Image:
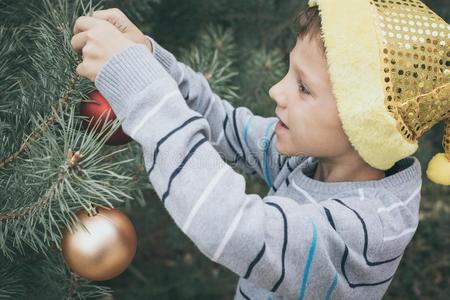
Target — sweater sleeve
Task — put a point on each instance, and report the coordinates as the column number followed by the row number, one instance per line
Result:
column 272, row 241
column 241, row 137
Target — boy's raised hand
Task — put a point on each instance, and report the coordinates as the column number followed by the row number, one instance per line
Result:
column 98, row 41
column 116, row 17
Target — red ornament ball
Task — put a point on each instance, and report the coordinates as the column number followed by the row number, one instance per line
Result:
column 94, row 110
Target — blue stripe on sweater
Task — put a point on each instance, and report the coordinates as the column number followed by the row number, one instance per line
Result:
column 266, row 148
column 312, row 249
column 247, row 125
column 332, row 287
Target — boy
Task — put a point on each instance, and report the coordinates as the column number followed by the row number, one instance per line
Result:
column 339, row 213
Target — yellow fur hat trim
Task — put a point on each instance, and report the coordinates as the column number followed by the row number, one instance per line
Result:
column 389, row 67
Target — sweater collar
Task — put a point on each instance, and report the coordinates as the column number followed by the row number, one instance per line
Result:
column 406, row 170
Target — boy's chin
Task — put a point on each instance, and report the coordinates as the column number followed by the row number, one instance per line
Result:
column 282, row 150
column 289, row 152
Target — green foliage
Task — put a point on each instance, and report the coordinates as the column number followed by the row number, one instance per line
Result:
column 44, row 277
column 39, row 124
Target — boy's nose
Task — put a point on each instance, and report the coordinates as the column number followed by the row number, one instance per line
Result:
column 275, row 92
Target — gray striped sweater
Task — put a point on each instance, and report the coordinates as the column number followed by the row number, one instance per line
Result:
column 305, row 239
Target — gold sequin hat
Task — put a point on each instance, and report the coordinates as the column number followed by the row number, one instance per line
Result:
column 389, row 64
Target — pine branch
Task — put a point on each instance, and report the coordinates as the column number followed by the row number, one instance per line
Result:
column 66, row 186
column 215, row 65
column 261, row 70
column 40, row 130
column 41, row 190
column 38, row 276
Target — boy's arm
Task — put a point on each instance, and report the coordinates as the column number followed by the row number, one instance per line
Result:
column 242, row 138
column 273, row 242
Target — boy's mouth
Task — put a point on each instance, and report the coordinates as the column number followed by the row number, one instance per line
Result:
column 284, row 125
column 281, row 122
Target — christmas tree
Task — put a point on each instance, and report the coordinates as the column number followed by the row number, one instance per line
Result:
column 54, row 164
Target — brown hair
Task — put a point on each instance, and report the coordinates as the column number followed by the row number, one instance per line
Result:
column 309, row 23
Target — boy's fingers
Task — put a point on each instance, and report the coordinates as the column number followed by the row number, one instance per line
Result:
column 81, row 69
column 113, row 16
column 84, row 23
column 105, row 14
column 84, row 70
column 79, row 41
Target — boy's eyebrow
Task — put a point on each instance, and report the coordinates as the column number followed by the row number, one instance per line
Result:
column 304, row 77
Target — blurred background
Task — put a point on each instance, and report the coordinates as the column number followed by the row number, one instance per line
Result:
column 242, row 47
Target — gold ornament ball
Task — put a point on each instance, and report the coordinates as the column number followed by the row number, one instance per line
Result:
column 105, row 249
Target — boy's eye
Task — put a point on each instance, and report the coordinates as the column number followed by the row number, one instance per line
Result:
column 302, row 87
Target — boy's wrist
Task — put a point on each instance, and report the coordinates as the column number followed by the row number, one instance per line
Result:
column 165, row 58
column 149, row 43
column 126, row 74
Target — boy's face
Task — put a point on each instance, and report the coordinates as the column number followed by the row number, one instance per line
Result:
column 306, row 104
